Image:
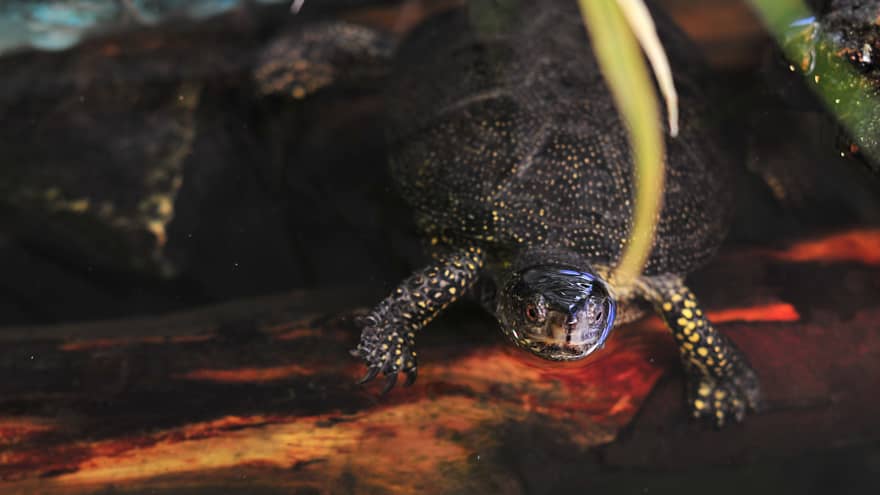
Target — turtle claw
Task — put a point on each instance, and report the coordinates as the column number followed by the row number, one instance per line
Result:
column 371, row 373
column 386, row 351
column 724, row 401
column 390, row 380
column 411, row 376
column 366, row 321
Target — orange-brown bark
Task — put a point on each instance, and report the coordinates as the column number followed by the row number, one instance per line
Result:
column 268, row 398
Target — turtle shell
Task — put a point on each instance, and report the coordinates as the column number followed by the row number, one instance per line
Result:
column 503, row 132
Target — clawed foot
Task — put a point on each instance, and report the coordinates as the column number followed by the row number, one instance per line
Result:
column 724, row 400
column 386, row 350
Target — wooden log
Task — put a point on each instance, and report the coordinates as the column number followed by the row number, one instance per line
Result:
column 260, row 394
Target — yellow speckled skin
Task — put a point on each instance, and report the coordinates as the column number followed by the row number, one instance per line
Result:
column 722, row 385
column 388, row 335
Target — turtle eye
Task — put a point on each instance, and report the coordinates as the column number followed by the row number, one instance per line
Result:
column 532, row 312
column 597, row 317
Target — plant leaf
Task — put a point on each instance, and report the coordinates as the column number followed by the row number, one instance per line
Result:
column 642, row 25
column 624, row 68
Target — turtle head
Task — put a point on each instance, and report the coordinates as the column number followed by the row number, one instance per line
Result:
column 555, row 312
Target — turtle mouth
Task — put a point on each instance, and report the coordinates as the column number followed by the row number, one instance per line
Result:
column 569, row 336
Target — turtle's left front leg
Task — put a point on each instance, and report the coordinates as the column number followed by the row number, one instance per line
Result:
column 388, row 336
column 722, row 385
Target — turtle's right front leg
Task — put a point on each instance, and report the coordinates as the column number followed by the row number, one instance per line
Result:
column 388, row 335
column 722, row 385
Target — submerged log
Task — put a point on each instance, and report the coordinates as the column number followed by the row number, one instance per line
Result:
column 261, row 395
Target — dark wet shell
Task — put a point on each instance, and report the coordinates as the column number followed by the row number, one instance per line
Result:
column 505, row 132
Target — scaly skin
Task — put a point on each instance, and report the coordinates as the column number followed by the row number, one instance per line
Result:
column 722, row 385
column 389, row 331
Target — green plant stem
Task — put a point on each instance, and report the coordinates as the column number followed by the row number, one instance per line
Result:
column 624, row 68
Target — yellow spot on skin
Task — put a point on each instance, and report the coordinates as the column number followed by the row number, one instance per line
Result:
column 384, row 347
column 687, row 313
column 702, row 351
column 704, row 390
column 699, row 312
column 710, row 340
column 676, row 298
column 720, row 394
column 688, row 346
column 682, row 322
column 691, row 326
column 694, row 338
column 699, row 404
column 699, row 323
column 399, row 361
column 719, row 414
column 452, row 290
column 667, row 307
column 396, row 352
column 298, row 92
column 690, row 304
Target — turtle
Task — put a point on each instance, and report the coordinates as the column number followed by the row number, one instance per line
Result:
column 505, row 142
